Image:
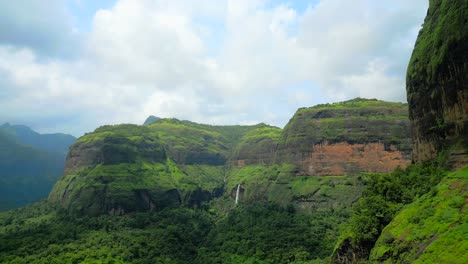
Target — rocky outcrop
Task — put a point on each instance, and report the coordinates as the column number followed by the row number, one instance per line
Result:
column 357, row 125
column 343, row 158
column 437, row 84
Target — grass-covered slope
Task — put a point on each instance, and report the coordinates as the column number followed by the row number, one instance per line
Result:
column 433, row 229
column 437, row 81
column 191, row 143
column 280, row 184
column 257, row 146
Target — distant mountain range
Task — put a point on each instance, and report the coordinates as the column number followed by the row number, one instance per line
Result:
column 30, row 164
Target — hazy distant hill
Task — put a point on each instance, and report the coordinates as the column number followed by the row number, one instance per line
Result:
column 30, row 164
column 57, row 142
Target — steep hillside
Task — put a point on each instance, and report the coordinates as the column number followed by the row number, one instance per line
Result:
column 340, row 138
column 437, row 83
column 433, row 229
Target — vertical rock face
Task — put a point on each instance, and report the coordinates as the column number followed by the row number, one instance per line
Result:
column 437, row 83
column 340, row 138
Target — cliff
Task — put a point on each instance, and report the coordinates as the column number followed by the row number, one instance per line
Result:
column 339, row 138
column 125, row 168
column 433, row 228
column 437, row 84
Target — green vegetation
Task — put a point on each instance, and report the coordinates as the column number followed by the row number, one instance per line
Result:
column 436, row 82
column 444, row 35
column 355, row 104
column 266, row 233
column 136, row 186
column 257, row 146
column 279, row 184
column 256, row 233
column 433, row 229
column 38, row 234
column 384, row 196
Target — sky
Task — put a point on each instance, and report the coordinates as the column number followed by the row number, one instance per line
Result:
column 74, row 65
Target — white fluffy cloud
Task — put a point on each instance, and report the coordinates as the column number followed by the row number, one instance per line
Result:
column 211, row 61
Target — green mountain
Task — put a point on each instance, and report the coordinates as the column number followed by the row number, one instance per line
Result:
column 376, row 130
column 419, row 215
column 30, row 164
column 168, row 163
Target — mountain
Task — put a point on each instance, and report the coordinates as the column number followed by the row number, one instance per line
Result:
column 125, row 168
column 57, row 142
column 336, row 185
column 30, row 163
column 151, row 119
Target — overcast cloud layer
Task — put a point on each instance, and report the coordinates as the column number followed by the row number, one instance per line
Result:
column 217, row 62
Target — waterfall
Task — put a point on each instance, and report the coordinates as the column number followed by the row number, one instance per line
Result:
column 237, row 193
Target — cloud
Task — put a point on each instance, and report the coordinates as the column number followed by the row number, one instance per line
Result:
column 219, row 62
column 43, row 27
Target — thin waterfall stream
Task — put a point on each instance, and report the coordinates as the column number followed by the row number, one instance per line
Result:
column 237, row 193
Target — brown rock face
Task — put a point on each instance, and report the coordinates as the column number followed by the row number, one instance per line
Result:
column 343, row 158
column 437, row 84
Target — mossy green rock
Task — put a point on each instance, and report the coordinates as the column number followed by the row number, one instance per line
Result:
column 437, row 83
column 281, row 185
column 357, row 121
column 125, row 168
column 257, row 146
